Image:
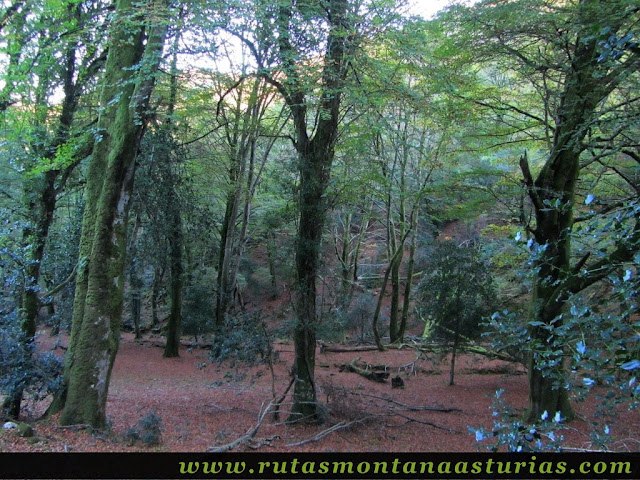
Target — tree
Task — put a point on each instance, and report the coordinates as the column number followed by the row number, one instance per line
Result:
column 243, row 122
column 316, row 154
column 456, row 295
column 577, row 59
column 55, row 144
column 126, row 89
column 310, row 73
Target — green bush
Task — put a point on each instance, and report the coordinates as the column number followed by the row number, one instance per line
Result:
column 244, row 338
column 148, row 430
column 22, row 368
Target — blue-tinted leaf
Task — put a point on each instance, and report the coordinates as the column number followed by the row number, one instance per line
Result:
column 632, row 365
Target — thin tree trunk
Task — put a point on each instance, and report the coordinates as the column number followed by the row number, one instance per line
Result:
column 408, row 286
column 176, row 234
column 453, row 358
column 158, row 273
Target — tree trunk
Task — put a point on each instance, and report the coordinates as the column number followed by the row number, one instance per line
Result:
column 313, row 183
column 316, row 155
column 553, row 197
column 453, row 362
column 408, row 286
column 158, row 273
column 271, row 254
column 40, row 197
column 174, row 325
column 394, row 311
column 226, row 281
column 135, row 281
column 95, row 331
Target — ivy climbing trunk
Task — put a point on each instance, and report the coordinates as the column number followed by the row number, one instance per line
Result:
column 127, row 85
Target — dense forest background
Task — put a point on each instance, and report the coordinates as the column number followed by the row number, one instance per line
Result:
column 321, row 171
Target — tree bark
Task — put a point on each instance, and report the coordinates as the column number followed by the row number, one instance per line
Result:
column 95, row 331
column 553, row 197
column 315, row 156
column 174, row 325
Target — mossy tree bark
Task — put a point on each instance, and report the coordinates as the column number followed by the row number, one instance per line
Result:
column 582, row 81
column 40, row 190
column 127, row 85
column 315, row 157
column 588, row 82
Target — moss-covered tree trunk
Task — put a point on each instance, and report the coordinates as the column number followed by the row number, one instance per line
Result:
column 553, row 196
column 313, row 182
column 315, row 157
column 40, row 191
column 98, row 300
column 226, row 280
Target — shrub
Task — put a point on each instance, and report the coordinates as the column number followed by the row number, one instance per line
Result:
column 22, row 368
column 359, row 315
column 148, row 430
column 244, row 338
column 456, row 294
column 198, row 310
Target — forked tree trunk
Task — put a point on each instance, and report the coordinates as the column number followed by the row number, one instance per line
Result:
column 316, row 155
column 97, row 312
column 553, row 197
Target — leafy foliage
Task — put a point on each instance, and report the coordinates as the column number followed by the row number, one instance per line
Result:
column 22, row 367
column 148, row 430
column 457, row 292
column 244, row 339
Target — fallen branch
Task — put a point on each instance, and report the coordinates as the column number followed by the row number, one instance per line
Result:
column 412, row 408
column 74, row 428
column 342, row 349
column 423, row 422
column 255, row 444
column 375, row 374
column 247, row 436
column 338, row 426
column 276, row 407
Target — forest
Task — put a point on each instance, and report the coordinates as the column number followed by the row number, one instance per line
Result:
column 319, row 219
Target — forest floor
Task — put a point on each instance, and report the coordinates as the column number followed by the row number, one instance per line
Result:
column 202, row 405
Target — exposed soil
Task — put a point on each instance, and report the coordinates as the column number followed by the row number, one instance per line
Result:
column 203, row 405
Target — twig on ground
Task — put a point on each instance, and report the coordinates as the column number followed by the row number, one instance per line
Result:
column 414, row 408
column 247, row 436
column 338, row 426
column 423, row 422
column 74, row 428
